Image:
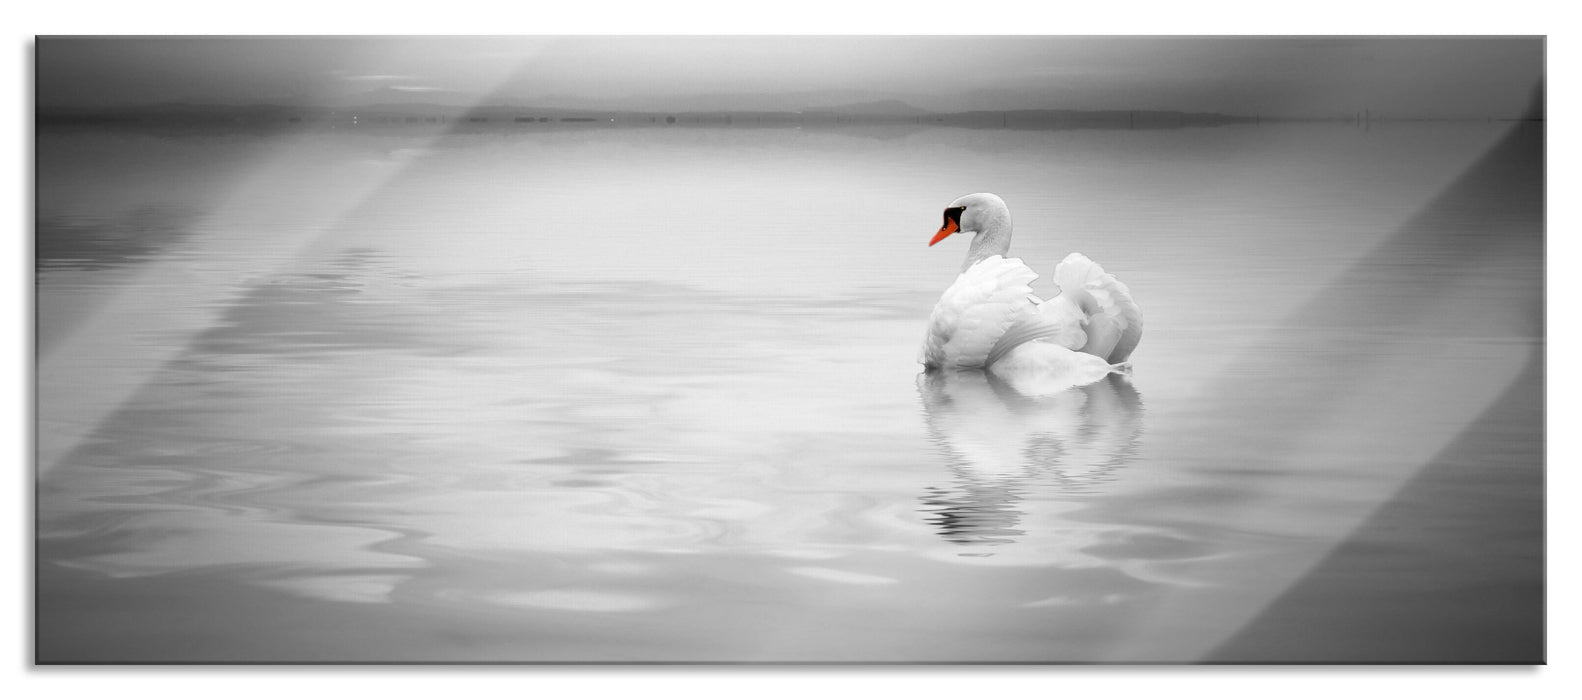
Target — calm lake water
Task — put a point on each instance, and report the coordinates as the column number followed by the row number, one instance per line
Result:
column 652, row 395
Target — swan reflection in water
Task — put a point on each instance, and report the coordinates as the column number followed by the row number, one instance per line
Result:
column 1002, row 445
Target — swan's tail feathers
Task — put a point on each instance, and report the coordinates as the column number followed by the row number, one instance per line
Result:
column 1114, row 321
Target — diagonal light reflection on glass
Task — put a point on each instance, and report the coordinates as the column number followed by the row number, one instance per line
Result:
column 86, row 388
column 1447, row 348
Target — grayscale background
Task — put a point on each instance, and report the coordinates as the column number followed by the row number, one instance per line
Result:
column 604, row 349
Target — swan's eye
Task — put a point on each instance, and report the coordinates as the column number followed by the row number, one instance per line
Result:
column 954, row 214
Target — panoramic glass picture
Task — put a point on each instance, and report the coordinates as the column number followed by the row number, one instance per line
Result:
column 780, row 349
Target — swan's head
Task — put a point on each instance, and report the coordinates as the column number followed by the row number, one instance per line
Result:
column 971, row 213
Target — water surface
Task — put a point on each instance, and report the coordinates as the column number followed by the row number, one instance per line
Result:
column 651, row 395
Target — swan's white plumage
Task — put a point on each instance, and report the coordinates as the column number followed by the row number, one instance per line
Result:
column 1109, row 318
column 990, row 319
column 986, row 302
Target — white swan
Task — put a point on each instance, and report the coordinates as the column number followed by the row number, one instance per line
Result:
column 990, row 319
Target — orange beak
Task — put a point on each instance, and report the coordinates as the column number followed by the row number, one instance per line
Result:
column 949, row 228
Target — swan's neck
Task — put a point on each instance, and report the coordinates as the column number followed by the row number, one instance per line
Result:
column 994, row 238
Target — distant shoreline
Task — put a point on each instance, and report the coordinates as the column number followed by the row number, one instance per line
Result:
column 507, row 117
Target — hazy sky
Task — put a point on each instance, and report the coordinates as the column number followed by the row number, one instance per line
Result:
column 1269, row 76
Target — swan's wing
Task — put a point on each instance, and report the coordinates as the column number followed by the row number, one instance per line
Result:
column 989, row 305
column 1101, row 306
column 1024, row 330
column 1068, row 320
